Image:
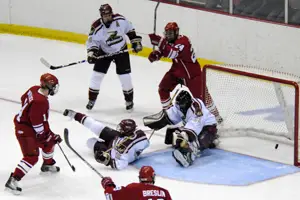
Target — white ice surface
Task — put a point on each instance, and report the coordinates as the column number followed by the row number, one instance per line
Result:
column 20, row 68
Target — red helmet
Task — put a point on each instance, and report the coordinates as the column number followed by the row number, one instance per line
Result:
column 106, row 13
column 171, row 31
column 127, row 127
column 50, row 82
column 147, row 175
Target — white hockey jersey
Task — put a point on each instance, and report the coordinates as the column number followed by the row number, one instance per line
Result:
column 196, row 117
column 111, row 39
column 125, row 150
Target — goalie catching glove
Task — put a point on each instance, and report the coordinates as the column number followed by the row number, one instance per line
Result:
column 157, row 121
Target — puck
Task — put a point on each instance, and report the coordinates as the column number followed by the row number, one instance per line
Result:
column 276, row 146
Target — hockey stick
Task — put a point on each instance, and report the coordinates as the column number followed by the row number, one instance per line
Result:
column 72, row 166
column 155, row 16
column 151, row 134
column 66, row 136
column 52, row 67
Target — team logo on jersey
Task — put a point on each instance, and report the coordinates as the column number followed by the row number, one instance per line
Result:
column 113, row 38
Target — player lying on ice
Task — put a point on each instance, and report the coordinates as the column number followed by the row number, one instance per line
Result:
column 115, row 148
column 199, row 130
column 144, row 190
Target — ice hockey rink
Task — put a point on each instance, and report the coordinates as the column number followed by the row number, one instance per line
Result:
column 21, row 68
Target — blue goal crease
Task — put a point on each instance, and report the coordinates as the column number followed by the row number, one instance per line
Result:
column 216, row 166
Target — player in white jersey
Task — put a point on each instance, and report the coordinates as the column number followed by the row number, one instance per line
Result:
column 108, row 35
column 115, row 148
column 199, row 130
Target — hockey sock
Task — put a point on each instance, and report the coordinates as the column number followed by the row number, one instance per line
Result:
column 24, row 166
column 47, row 154
column 93, row 94
column 128, row 95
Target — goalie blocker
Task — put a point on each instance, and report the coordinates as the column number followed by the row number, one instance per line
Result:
column 199, row 131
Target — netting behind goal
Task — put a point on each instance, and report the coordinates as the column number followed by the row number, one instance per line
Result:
column 255, row 102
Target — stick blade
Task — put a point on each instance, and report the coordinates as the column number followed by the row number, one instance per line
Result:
column 45, row 62
column 66, row 136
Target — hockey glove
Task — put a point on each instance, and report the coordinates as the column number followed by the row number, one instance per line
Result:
column 155, row 39
column 48, row 139
column 136, row 44
column 154, row 56
column 92, row 56
column 107, row 182
column 158, row 41
column 102, row 157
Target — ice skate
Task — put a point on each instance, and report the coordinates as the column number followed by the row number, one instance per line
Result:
column 50, row 168
column 90, row 105
column 183, row 157
column 12, row 185
column 129, row 106
column 69, row 113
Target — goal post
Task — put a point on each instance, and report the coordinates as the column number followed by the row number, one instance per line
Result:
column 255, row 102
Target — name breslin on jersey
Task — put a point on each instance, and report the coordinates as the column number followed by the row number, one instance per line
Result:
column 156, row 193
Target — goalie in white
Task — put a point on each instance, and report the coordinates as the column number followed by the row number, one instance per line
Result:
column 199, row 130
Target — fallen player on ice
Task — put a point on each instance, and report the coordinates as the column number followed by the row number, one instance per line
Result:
column 115, row 148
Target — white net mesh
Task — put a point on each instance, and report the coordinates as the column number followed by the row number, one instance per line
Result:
column 252, row 106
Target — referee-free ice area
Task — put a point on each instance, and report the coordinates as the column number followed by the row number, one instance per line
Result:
column 218, row 174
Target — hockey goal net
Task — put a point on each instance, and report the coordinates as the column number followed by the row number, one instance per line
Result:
column 256, row 103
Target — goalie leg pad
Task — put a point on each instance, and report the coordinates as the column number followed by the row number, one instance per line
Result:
column 157, row 121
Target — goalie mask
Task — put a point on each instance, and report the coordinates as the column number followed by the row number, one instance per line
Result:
column 50, row 82
column 183, row 101
column 126, row 127
column 171, row 32
column 106, row 14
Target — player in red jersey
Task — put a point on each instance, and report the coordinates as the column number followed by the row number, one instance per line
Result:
column 33, row 132
column 185, row 69
column 144, row 190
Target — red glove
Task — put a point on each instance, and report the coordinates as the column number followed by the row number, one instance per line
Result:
column 107, row 182
column 49, row 139
column 154, row 56
column 154, row 39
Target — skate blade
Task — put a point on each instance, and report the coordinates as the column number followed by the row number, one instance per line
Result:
column 14, row 192
column 129, row 110
column 48, row 173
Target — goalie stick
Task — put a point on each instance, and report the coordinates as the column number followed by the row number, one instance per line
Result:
column 66, row 137
column 52, row 67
